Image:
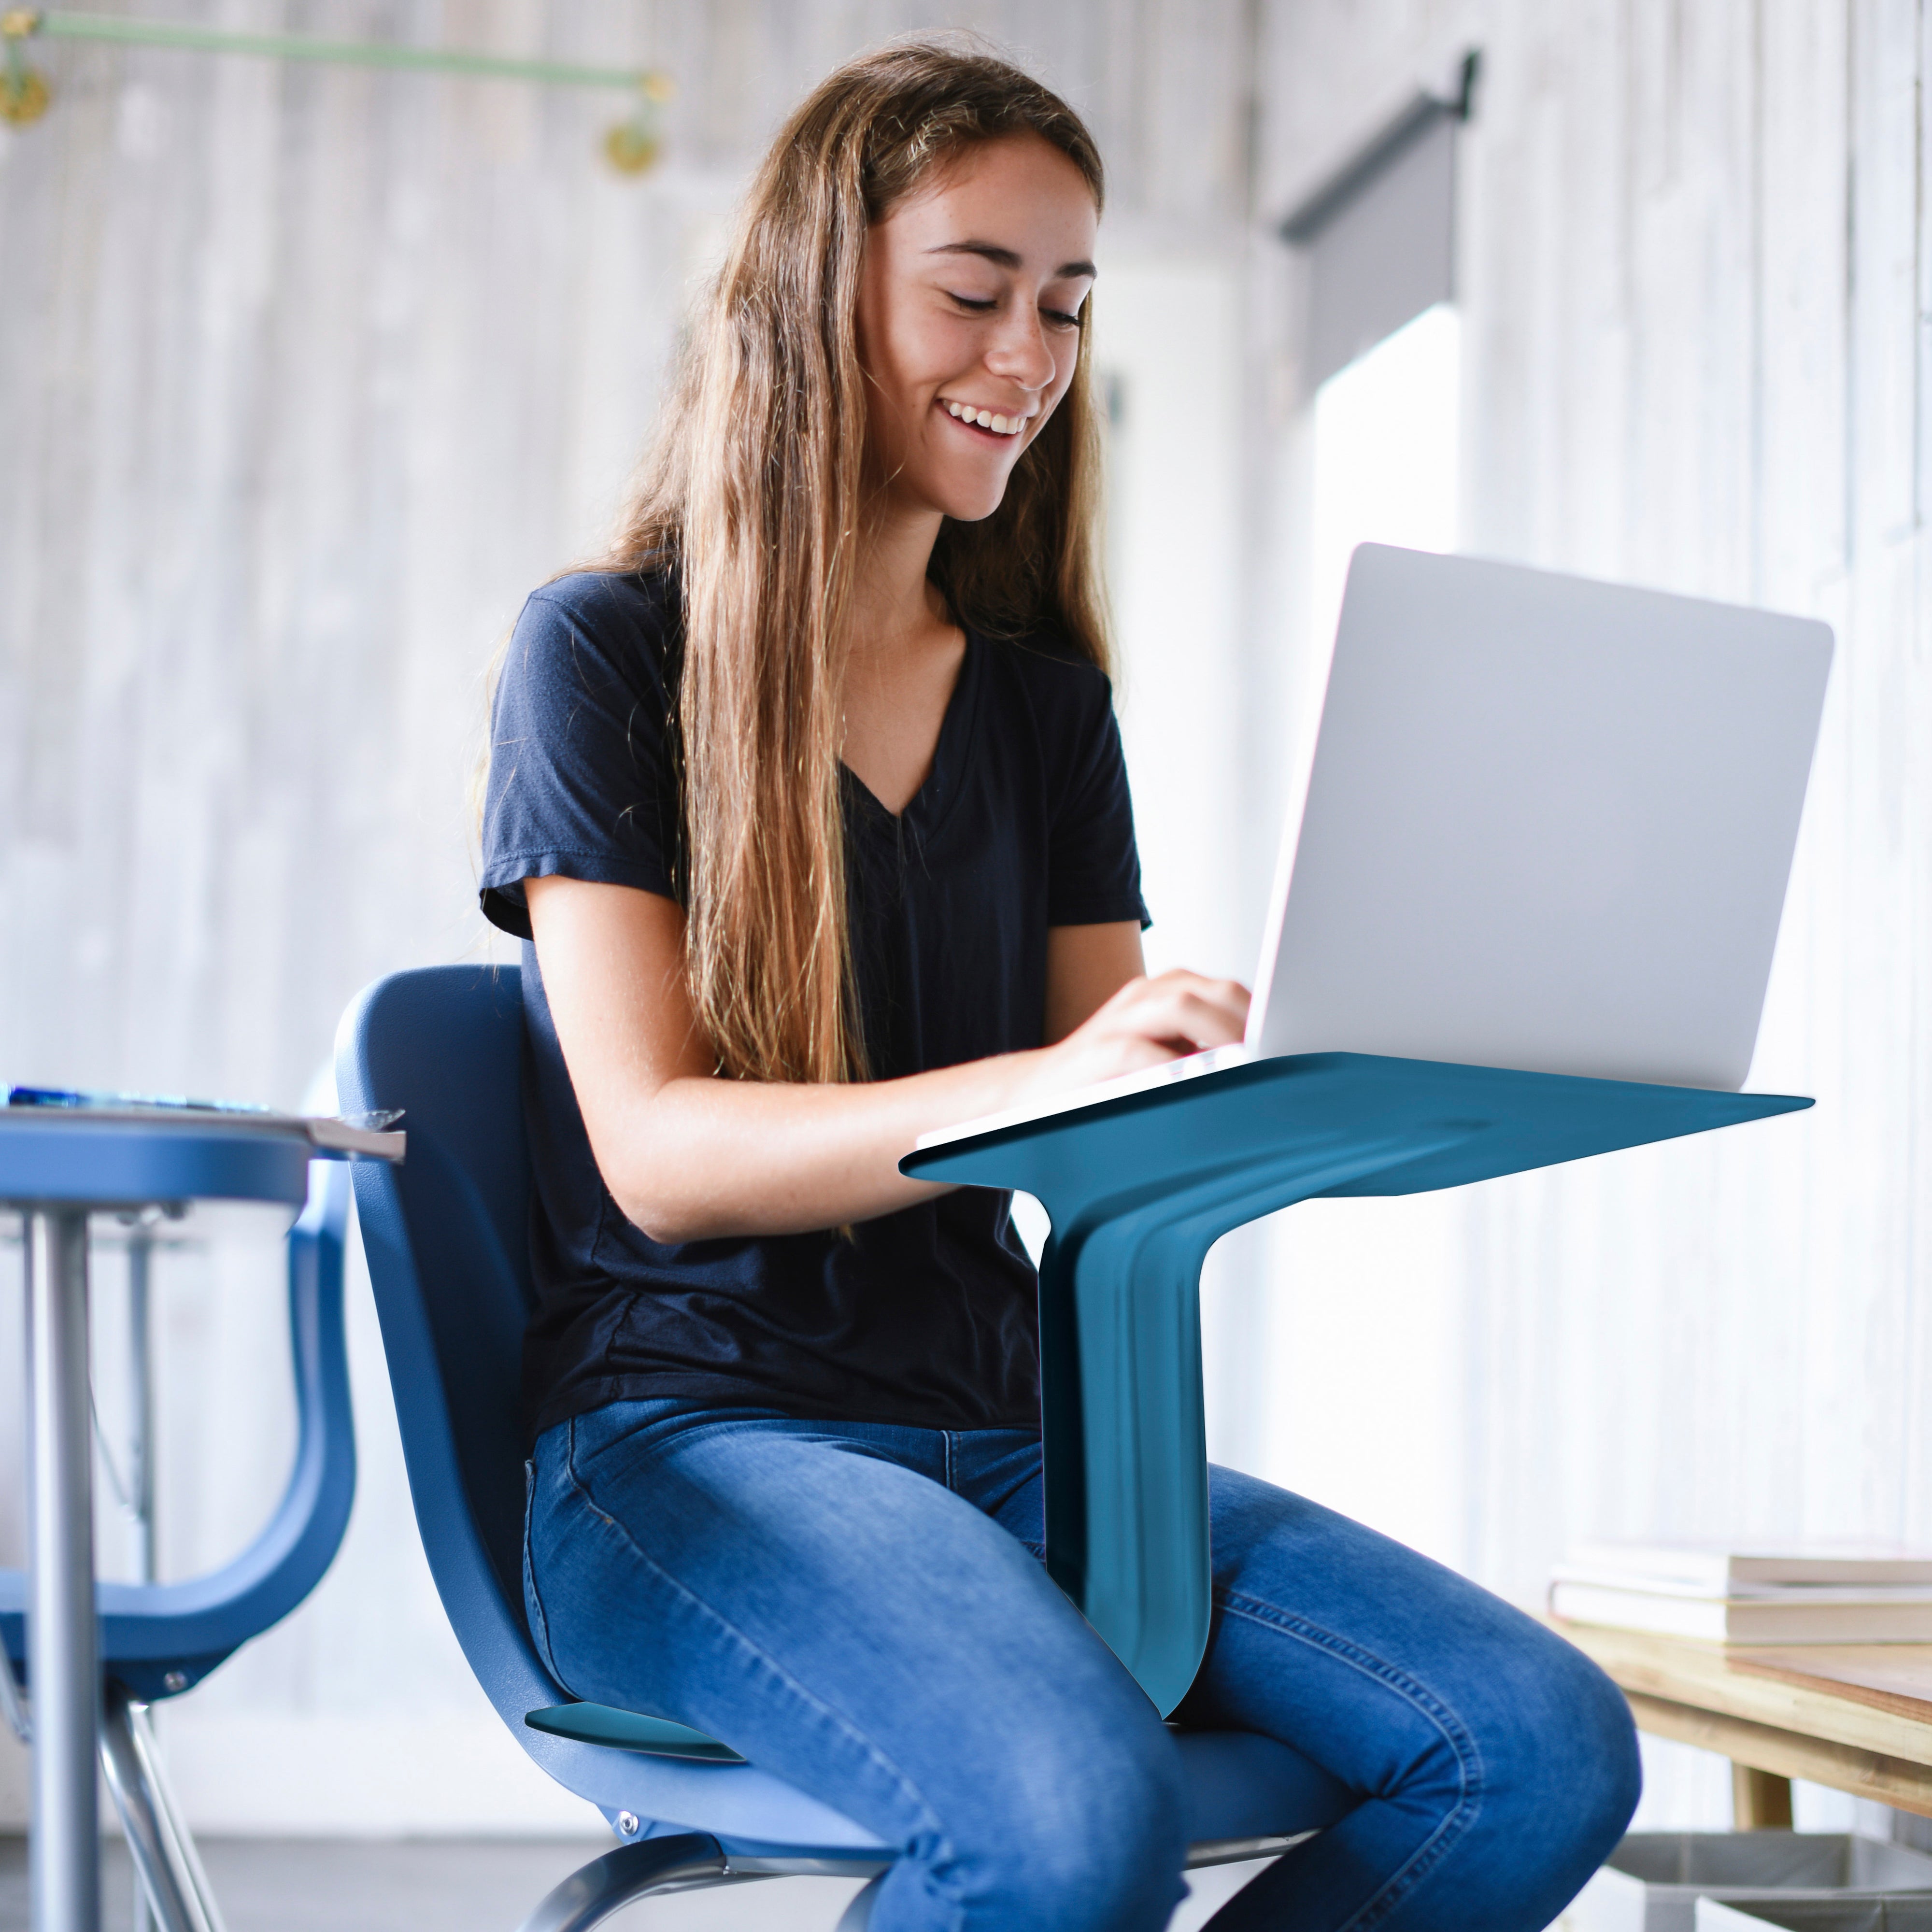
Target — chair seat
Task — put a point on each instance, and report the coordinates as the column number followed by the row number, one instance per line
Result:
column 629, row 1730
column 1240, row 1785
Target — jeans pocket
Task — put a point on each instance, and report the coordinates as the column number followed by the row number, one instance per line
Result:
column 533, row 1608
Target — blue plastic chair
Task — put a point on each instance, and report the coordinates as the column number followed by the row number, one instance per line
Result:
column 446, row 1235
column 157, row 1640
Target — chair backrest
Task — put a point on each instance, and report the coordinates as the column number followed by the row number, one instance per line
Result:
column 446, row 1236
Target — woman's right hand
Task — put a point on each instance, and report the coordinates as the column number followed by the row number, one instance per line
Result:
column 1147, row 1022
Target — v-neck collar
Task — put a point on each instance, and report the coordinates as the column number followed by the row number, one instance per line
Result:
column 928, row 807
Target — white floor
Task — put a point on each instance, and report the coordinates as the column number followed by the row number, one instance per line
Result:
column 311, row 1885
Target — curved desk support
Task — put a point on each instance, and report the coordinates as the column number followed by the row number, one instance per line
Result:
column 1139, row 1188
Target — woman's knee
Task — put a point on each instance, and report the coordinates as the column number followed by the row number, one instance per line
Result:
column 1086, row 1831
column 1576, row 1773
column 1607, row 1736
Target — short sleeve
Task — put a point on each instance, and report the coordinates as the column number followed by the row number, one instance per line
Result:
column 583, row 779
column 1094, row 866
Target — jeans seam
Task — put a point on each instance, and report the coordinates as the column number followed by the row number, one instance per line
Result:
column 943, row 1845
column 1455, row 1733
column 540, row 1620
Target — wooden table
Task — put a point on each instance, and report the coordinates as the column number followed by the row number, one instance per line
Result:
column 1855, row 1717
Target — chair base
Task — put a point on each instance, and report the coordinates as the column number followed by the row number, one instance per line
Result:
column 686, row 1861
column 693, row 1861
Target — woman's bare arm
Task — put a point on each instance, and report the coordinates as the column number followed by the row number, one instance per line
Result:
column 689, row 1157
column 1086, row 966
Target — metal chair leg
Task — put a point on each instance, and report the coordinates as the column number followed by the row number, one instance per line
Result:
column 140, row 1497
column 858, row 1914
column 166, row 1865
column 690, row 1861
column 687, row 1861
column 693, row 1862
column 142, row 1724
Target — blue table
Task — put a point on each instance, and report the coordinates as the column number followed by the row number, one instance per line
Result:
column 57, row 1167
column 1139, row 1188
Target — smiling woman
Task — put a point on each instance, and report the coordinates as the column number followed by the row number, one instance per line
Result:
column 809, row 806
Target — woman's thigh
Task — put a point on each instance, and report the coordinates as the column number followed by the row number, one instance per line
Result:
column 1497, row 1765
column 853, row 1625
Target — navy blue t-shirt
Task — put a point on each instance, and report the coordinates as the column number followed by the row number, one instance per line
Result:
column 927, row 1316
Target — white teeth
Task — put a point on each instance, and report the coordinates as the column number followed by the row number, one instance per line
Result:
column 985, row 418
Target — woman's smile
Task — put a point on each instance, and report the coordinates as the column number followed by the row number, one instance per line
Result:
column 987, row 422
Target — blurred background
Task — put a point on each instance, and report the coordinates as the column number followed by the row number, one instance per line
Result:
column 309, row 374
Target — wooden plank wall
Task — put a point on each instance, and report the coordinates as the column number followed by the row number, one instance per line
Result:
column 1694, row 272
column 307, row 376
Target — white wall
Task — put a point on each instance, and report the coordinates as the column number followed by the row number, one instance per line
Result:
column 310, row 375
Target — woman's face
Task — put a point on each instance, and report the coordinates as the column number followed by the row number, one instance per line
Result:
column 968, row 321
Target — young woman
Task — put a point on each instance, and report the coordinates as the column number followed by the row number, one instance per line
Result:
column 811, row 804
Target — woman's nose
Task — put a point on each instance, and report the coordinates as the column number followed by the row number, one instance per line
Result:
column 1021, row 352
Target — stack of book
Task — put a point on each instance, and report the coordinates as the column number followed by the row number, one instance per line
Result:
column 1782, row 1594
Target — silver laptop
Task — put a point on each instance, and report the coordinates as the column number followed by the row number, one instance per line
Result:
column 1549, row 826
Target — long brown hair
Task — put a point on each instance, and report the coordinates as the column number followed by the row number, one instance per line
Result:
column 754, row 494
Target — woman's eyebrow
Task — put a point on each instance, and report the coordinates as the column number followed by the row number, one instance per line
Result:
column 1005, row 258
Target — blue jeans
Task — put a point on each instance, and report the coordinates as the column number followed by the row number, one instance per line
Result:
column 861, row 1609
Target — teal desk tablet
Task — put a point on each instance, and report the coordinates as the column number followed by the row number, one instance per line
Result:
column 1140, row 1187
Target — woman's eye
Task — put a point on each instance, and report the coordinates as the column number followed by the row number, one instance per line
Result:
column 1059, row 319
column 977, row 306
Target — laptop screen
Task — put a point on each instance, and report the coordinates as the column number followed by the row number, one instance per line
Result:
column 1549, row 825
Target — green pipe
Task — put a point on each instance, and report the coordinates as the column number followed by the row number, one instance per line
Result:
column 357, row 53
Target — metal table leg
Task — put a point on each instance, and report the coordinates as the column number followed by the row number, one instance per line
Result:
column 63, row 1670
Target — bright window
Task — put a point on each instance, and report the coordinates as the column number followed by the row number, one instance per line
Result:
column 1386, row 454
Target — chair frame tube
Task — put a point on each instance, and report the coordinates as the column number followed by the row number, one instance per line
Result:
column 695, row 1860
column 170, row 1878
